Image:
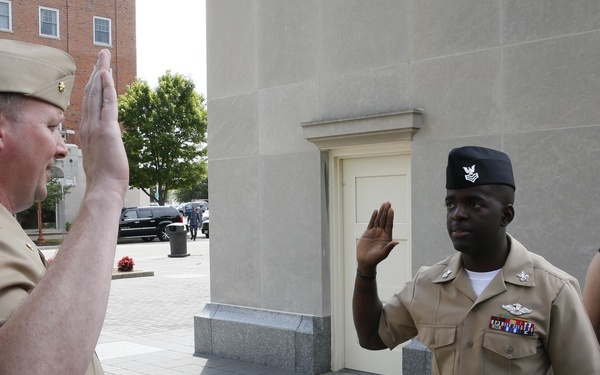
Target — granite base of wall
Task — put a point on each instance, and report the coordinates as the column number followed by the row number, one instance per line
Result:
column 288, row 341
column 416, row 359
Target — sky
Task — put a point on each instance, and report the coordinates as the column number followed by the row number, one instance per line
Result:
column 171, row 36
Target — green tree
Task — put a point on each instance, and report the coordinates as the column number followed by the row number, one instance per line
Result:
column 164, row 133
column 55, row 193
column 196, row 191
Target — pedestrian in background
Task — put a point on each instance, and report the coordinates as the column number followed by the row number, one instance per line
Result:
column 194, row 220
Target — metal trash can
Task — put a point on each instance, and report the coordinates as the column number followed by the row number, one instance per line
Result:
column 177, row 239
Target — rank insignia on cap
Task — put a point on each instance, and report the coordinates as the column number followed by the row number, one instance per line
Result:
column 61, row 86
column 470, row 173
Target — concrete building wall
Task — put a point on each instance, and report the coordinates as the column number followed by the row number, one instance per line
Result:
column 523, row 79
column 519, row 76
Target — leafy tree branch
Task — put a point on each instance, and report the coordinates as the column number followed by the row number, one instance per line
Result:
column 164, row 134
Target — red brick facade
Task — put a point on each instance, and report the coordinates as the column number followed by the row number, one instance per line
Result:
column 76, row 36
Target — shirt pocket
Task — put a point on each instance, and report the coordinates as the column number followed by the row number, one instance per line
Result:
column 504, row 350
column 440, row 340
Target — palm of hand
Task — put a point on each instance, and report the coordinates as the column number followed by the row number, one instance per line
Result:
column 372, row 245
column 376, row 242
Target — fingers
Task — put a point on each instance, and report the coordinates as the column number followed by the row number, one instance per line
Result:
column 95, row 93
column 387, row 249
column 92, row 99
column 100, row 133
column 382, row 216
column 372, row 221
column 389, row 222
column 109, row 97
column 376, row 242
column 86, row 93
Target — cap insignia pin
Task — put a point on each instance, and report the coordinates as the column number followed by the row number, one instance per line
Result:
column 61, row 86
column 523, row 276
column 471, row 175
column 29, row 246
column 446, row 274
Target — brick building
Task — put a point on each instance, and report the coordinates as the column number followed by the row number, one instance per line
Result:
column 81, row 28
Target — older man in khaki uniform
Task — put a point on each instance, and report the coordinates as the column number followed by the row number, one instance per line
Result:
column 51, row 317
column 492, row 308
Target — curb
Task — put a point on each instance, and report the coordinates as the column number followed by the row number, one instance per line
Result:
column 128, row 275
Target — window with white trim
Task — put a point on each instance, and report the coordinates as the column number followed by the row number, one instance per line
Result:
column 102, row 31
column 49, row 22
column 5, row 16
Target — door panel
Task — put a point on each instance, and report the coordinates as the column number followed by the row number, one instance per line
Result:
column 146, row 224
column 367, row 182
column 129, row 225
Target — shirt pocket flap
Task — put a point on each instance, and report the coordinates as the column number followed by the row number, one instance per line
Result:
column 436, row 336
column 510, row 345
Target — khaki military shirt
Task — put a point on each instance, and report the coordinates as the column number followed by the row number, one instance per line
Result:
column 22, row 266
column 528, row 318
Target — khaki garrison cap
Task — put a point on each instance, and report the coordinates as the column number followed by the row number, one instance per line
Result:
column 40, row 72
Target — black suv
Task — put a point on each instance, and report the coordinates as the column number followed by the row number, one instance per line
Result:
column 148, row 222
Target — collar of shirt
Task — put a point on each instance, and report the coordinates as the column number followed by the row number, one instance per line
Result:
column 519, row 261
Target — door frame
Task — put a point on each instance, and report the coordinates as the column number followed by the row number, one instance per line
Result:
column 336, row 159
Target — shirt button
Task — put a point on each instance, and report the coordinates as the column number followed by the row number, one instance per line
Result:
column 509, row 350
column 432, row 341
column 470, row 344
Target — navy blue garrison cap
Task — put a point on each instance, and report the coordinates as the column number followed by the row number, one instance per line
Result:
column 474, row 166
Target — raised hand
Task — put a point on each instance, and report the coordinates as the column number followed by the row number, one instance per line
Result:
column 376, row 242
column 104, row 157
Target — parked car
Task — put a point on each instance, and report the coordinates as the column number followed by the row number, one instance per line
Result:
column 148, row 222
column 205, row 227
column 186, row 208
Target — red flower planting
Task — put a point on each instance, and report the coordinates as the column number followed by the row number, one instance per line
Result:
column 125, row 264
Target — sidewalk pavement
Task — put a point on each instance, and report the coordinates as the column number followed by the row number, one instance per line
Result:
column 149, row 325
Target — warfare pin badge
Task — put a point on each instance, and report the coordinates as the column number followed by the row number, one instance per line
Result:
column 516, row 309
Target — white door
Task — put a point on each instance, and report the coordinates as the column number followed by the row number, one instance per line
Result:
column 368, row 182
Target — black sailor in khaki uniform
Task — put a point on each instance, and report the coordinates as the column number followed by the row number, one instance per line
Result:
column 493, row 307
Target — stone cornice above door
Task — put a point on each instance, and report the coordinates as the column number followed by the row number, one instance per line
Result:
column 365, row 130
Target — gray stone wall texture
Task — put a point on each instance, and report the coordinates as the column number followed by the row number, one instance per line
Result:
column 287, row 341
column 416, row 359
column 520, row 76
